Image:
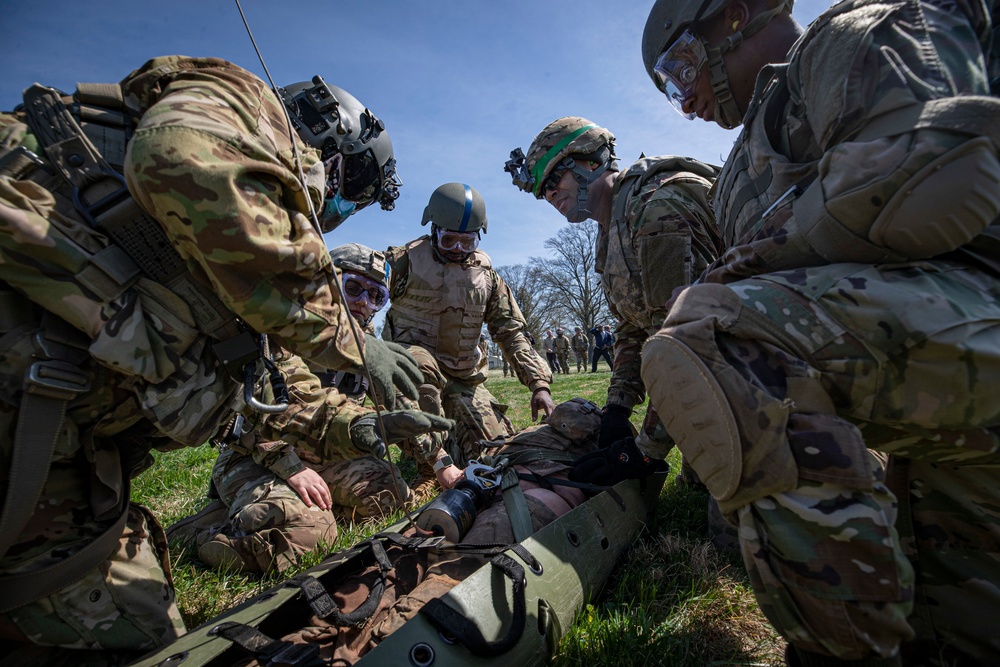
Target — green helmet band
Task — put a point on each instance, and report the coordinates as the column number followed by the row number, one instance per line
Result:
column 539, row 169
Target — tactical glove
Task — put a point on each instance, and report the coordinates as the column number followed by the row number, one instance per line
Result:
column 392, row 369
column 615, row 425
column 620, row 461
column 366, row 435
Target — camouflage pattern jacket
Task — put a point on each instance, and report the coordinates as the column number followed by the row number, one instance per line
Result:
column 662, row 234
column 442, row 307
column 210, row 159
column 854, row 171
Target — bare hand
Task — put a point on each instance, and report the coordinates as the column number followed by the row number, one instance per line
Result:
column 541, row 400
column 312, row 489
column 449, row 476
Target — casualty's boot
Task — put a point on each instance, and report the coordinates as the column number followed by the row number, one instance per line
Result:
column 197, row 529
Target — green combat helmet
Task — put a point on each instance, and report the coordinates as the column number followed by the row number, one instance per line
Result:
column 672, row 26
column 566, row 143
column 361, row 260
column 458, row 207
column 348, row 135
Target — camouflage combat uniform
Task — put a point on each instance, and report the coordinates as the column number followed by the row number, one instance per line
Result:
column 856, row 308
column 438, row 310
column 266, row 522
column 580, row 347
column 209, row 158
column 562, row 346
column 661, row 236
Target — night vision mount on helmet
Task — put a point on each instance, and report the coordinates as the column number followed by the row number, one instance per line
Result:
column 332, row 120
column 567, row 143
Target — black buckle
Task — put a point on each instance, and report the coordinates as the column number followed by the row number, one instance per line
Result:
column 56, row 379
column 105, row 203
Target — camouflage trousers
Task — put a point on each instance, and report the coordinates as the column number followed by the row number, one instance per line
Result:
column 478, row 415
column 799, row 373
column 270, row 525
column 581, row 360
column 110, row 616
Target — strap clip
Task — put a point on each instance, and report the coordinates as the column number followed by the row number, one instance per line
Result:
column 56, row 379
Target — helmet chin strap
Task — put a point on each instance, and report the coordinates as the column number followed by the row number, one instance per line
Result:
column 584, row 177
column 727, row 114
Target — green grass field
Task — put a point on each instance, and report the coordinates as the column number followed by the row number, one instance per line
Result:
column 674, row 600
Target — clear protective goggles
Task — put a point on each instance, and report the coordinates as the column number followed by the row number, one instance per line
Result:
column 451, row 241
column 677, row 70
column 358, row 287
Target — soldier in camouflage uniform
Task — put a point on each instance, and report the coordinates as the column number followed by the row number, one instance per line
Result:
column 443, row 290
column 283, row 485
column 656, row 233
column 855, row 309
column 580, row 346
column 130, row 316
column 562, row 346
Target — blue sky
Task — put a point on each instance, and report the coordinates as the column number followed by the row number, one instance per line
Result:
column 459, row 83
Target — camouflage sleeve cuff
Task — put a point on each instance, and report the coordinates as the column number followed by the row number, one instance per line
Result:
column 538, row 385
column 287, row 465
column 338, row 435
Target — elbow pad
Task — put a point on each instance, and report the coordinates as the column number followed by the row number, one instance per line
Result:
column 944, row 205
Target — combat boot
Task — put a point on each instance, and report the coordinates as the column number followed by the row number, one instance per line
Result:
column 220, row 553
column 425, row 485
column 197, row 529
column 723, row 535
column 265, row 551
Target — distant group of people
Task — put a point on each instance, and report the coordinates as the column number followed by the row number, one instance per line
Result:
column 814, row 322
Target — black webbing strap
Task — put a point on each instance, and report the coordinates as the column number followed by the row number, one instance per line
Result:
column 324, row 607
column 452, row 622
column 268, row 651
column 24, row 587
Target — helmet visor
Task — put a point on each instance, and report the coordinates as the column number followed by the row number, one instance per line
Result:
column 451, row 241
column 358, row 287
column 677, row 70
column 362, row 178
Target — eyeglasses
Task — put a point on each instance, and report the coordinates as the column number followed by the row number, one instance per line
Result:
column 357, row 287
column 677, row 70
column 450, row 240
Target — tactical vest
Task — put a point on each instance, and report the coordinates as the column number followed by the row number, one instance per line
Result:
column 127, row 273
column 442, row 306
column 114, row 290
column 618, row 259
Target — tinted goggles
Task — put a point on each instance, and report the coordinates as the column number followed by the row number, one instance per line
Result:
column 677, row 70
column 358, row 287
column 551, row 183
column 464, row 241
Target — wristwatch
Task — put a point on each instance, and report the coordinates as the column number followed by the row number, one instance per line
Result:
column 443, row 462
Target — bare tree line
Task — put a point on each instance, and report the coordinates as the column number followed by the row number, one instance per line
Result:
column 561, row 289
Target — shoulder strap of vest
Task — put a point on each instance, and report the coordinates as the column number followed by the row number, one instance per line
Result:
column 646, row 168
column 101, row 197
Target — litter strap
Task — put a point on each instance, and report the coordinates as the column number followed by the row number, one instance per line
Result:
column 452, row 622
column 267, row 650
